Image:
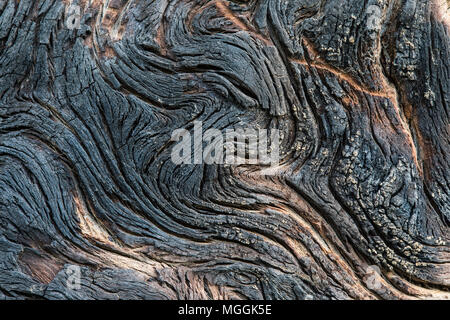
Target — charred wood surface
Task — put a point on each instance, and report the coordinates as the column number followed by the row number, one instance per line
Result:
column 359, row 90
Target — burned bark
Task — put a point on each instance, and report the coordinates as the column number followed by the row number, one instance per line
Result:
column 357, row 208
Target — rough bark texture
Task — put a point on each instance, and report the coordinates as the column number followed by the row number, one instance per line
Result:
column 86, row 179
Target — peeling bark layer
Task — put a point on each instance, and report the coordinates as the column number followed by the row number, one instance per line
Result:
column 359, row 89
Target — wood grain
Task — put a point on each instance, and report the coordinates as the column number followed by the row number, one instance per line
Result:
column 360, row 91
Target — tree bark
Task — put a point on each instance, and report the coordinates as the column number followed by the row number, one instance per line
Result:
column 357, row 208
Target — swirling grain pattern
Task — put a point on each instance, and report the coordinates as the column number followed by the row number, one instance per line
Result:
column 359, row 90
